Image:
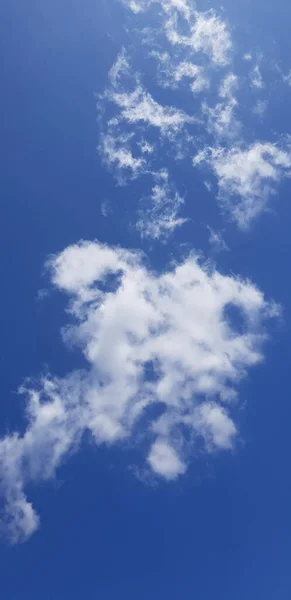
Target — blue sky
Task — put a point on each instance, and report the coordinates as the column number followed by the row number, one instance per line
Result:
column 145, row 413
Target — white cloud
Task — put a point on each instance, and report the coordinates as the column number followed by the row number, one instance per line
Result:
column 216, row 241
column 140, row 107
column 117, row 147
column 211, row 35
column 164, row 339
column 193, row 72
column 129, row 153
column 164, row 460
column 199, row 80
column 218, row 429
column 158, row 220
column 247, row 178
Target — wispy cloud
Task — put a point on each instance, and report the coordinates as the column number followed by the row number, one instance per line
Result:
column 247, row 178
column 209, row 35
column 158, row 219
column 200, row 48
column 105, row 208
column 115, row 151
column 164, row 339
column 216, row 241
column 140, row 107
column 171, row 73
column 120, row 69
column 260, row 108
column 256, row 77
column 221, row 120
column 208, row 32
column 182, row 6
column 286, row 78
column 146, row 147
column 138, row 6
column 127, row 139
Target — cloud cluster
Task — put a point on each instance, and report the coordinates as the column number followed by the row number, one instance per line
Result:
column 173, row 341
column 206, row 32
column 193, row 50
column 165, row 351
